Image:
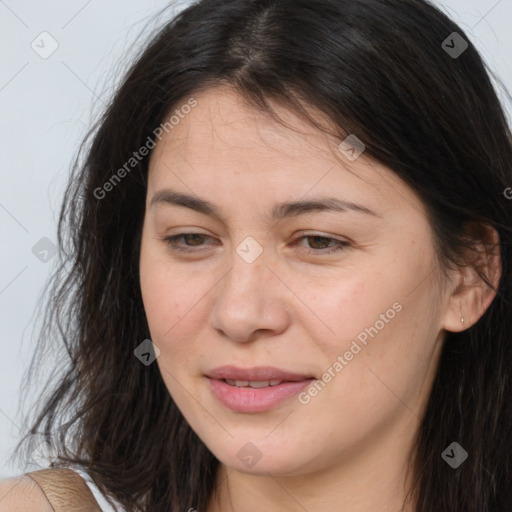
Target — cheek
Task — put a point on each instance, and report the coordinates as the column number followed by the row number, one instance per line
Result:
column 384, row 365
column 166, row 310
column 174, row 304
column 346, row 309
column 374, row 321
column 164, row 290
column 161, row 307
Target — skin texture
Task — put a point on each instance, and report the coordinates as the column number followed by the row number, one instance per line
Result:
column 22, row 493
column 347, row 448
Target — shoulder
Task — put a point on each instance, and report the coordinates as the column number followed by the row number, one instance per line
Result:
column 21, row 493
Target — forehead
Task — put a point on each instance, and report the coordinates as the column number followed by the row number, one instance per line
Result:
column 223, row 122
column 223, row 140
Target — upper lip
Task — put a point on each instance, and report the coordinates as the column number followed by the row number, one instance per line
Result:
column 258, row 373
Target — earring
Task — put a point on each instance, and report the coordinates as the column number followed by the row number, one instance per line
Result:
column 461, row 317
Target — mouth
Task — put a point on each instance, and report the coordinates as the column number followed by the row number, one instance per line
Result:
column 254, row 390
column 255, row 375
column 256, row 384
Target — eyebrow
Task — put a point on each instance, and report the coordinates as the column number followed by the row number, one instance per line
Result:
column 278, row 211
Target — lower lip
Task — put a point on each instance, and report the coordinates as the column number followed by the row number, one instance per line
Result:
column 255, row 399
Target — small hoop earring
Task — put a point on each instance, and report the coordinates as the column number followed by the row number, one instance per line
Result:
column 461, row 317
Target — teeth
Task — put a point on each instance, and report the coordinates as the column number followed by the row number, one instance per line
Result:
column 259, row 384
column 253, row 383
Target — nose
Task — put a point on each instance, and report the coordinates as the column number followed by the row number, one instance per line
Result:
column 250, row 299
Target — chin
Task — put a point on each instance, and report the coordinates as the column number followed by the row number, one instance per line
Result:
column 261, row 457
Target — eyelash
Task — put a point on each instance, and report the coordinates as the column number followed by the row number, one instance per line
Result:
column 171, row 242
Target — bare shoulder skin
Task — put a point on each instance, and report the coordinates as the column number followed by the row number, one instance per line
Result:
column 21, row 493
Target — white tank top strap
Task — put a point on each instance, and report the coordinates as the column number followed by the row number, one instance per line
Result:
column 102, row 502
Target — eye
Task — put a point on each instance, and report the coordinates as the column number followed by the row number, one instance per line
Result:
column 197, row 238
column 322, row 240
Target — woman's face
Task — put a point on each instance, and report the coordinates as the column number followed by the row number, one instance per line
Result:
column 345, row 300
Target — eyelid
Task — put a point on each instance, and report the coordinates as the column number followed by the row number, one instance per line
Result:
column 341, row 244
column 320, row 234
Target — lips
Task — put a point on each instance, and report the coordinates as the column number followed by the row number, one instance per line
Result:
column 256, row 374
column 255, row 390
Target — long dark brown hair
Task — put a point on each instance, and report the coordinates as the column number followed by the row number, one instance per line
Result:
column 379, row 69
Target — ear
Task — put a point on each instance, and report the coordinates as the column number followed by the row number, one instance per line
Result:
column 472, row 295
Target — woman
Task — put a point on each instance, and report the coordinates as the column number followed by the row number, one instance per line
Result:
column 289, row 284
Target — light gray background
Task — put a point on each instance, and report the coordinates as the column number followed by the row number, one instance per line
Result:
column 46, row 107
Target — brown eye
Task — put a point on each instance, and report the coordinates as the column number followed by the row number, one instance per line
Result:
column 320, row 243
column 195, row 238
